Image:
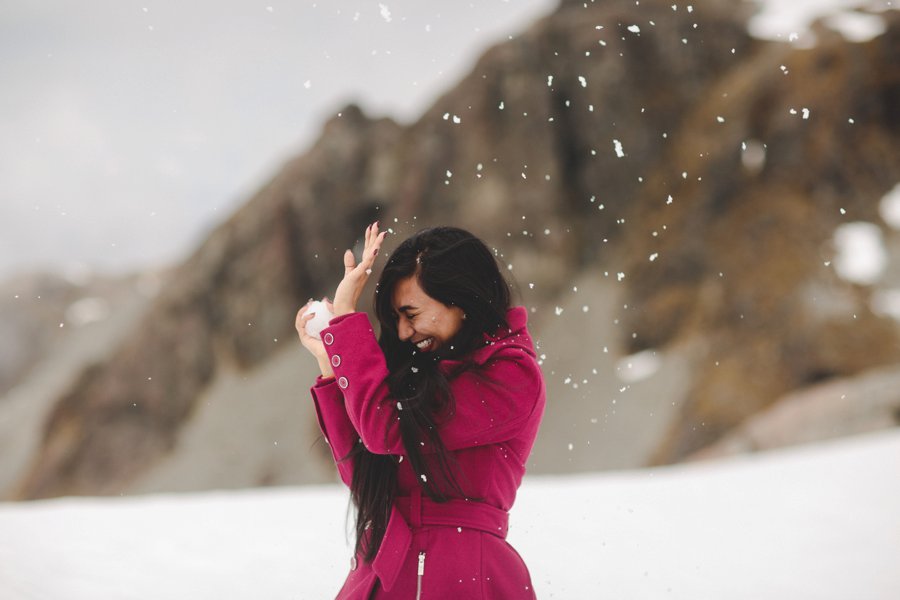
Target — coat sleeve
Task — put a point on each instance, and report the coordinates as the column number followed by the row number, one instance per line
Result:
column 334, row 424
column 492, row 405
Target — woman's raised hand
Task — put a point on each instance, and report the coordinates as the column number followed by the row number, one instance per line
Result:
column 355, row 275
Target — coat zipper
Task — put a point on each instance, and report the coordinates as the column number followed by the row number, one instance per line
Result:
column 421, row 572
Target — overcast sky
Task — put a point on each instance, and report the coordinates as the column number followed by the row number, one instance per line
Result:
column 130, row 128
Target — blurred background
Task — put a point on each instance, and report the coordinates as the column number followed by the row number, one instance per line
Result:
column 698, row 203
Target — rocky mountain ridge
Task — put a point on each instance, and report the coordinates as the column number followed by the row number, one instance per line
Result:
column 562, row 148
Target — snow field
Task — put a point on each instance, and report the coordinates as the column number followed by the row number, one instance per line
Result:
column 817, row 522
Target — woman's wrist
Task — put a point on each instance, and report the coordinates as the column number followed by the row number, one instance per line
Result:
column 325, row 367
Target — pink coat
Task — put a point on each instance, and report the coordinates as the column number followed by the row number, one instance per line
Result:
column 439, row 550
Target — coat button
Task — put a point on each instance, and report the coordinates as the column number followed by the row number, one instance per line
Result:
column 343, row 383
column 328, row 339
column 352, row 563
column 335, row 361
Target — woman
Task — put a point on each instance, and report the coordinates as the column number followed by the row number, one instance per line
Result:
column 431, row 424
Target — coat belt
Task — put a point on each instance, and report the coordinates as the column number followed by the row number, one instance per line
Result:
column 412, row 512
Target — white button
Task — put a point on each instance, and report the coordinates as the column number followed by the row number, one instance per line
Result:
column 353, row 563
column 343, row 383
column 335, row 361
column 328, row 339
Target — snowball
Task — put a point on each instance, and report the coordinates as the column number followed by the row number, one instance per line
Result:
column 320, row 321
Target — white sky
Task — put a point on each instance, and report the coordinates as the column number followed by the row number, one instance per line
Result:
column 129, row 128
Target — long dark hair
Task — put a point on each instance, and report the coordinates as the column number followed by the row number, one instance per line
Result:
column 455, row 268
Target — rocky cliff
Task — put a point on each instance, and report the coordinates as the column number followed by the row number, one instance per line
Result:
column 696, row 173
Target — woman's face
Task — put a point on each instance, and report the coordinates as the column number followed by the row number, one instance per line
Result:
column 421, row 319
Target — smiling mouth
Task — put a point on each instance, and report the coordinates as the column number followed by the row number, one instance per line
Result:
column 426, row 343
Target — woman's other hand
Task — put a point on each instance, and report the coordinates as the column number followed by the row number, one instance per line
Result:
column 315, row 346
column 355, row 276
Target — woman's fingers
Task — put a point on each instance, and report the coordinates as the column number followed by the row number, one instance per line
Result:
column 309, row 342
column 300, row 314
column 373, row 241
column 300, row 322
column 372, row 250
column 349, row 261
column 355, row 275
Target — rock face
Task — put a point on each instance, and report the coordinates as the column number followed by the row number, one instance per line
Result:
column 71, row 325
column 744, row 249
column 561, row 149
column 39, row 310
column 835, row 409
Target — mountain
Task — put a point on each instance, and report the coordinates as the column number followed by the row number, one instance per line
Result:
column 53, row 328
column 663, row 189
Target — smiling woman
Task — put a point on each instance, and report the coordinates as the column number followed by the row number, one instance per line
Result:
column 431, row 424
column 421, row 319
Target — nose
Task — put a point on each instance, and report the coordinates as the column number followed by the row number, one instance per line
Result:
column 404, row 330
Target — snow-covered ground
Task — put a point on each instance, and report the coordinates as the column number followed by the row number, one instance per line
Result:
column 813, row 522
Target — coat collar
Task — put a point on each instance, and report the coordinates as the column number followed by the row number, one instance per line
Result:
column 517, row 317
column 516, row 335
